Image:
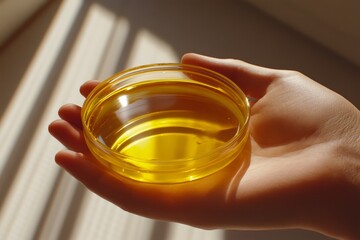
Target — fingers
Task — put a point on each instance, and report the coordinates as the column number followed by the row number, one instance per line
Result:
column 68, row 135
column 92, row 175
column 88, row 86
column 68, row 130
column 81, row 166
column 181, row 202
column 72, row 114
column 161, row 201
column 100, row 181
column 252, row 79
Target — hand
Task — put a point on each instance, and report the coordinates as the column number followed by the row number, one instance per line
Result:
column 301, row 168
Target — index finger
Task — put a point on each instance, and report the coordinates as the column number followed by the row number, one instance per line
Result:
column 252, row 79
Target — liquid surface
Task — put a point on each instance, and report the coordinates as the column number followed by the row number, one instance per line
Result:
column 167, row 126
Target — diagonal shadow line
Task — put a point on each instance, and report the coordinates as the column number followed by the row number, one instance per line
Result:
column 127, row 48
column 67, row 227
column 161, row 231
column 48, row 205
column 11, row 83
column 15, row 158
column 72, row 213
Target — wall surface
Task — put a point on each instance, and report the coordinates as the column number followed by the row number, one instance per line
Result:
column 334, row 24
column 14, row 13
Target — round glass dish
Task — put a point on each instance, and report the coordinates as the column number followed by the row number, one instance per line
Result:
column 166, row 123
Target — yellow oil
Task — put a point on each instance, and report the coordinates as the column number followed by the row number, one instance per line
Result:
column 160, row 130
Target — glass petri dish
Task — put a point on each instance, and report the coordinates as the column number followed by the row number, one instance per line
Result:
column 166, row 123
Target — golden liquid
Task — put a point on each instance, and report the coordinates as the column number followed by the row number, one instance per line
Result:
column 165, row 130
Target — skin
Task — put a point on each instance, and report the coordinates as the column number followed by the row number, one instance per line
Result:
column 300, row 169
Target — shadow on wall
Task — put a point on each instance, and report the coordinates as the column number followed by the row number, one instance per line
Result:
column 21, row 62
column 231, row 30
column 235, row 29
column 17, row 61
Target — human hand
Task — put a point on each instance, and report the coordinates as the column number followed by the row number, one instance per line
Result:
column 299, row 170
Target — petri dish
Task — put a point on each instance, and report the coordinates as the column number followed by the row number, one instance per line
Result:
column 166, row 123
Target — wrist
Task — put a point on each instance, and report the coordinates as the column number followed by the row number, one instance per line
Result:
column 347, row 196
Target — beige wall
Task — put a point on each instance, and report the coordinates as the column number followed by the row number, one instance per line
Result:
column 334, row 24
column 13, row 13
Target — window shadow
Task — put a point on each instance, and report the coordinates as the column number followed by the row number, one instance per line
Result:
column 22, row 56
column 15, row 157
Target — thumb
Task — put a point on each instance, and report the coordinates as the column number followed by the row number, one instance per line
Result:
column 252, row 79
